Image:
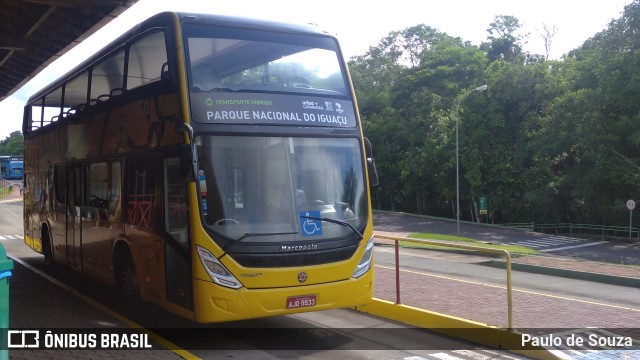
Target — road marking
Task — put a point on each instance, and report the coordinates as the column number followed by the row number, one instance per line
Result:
column 11, row 237
column 475, row 355
column 574, row 246
column 130, row 323
column 495, row 353
column 584, row 351
column 444, row 356
column 547, row 241
column 536, row 243
column 466, row 355
column 504, row 287
column 563, row 237
column 551, row 240
column 557, row 240
column 561, row 241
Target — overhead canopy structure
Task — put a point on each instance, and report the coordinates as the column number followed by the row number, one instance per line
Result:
column 34, row 33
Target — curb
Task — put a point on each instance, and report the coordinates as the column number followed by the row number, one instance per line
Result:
column 571, row 274
column 7, row 201
column 460, row 328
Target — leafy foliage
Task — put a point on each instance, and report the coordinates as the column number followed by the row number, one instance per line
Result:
column 12, row 144
column 548, row 141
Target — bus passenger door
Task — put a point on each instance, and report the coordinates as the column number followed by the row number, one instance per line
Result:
column 58, row 197
column 74, row 203
column 176, row 224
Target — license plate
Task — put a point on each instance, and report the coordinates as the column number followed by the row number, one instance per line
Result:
column 301, row 301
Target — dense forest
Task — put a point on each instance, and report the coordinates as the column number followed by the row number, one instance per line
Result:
column 548, row 141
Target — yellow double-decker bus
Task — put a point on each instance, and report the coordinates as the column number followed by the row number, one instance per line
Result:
column 214, row 166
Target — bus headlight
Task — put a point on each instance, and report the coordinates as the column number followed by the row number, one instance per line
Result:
column 365, row 261
column 218, row 273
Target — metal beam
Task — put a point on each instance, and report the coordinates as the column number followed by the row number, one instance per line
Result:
column 93, row 3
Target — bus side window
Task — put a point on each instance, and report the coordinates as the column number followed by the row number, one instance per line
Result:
column 74, row 186
column 141, row 192
column 147, row 59
column 115, row 189
column 97, row 184
column 60, row 183
column 176, row 210
column 107, row 75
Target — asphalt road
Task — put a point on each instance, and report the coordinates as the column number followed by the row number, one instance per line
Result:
column 596, row 250
column 345, row 334
column 340, row 333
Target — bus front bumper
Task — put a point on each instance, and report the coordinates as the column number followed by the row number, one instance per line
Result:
column 214, row 303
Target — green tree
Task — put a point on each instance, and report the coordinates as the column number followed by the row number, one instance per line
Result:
column 406, row 87
column 12, row 144
column 549, row 141
column 602, row 166
column 505, row 42
column 503, row 161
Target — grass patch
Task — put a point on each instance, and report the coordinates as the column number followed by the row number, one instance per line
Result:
column 4, row 192
column 513, row 249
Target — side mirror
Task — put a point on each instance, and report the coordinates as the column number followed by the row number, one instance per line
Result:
column 371, row 164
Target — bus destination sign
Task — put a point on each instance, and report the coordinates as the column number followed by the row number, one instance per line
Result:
column 297, row 110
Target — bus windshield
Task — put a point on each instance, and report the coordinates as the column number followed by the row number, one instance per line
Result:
column 232, row 60
column 253, row 188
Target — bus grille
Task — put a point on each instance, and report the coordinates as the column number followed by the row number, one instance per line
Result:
column 294, row 259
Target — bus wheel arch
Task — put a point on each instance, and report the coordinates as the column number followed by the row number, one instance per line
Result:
column 124, row 271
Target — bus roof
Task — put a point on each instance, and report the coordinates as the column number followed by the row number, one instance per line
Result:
column 249, row 23
column 168, row 18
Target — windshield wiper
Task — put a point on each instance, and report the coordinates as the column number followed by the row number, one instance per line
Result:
column 227, row 247
column 339, row 222
column 197, row 89
column 247, row 235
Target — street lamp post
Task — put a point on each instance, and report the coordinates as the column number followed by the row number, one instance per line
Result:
column 479, row 88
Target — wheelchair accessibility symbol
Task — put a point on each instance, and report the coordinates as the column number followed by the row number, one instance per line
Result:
column 310, row 227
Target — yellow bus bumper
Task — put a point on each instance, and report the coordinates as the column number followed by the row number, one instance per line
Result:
column 214, row 303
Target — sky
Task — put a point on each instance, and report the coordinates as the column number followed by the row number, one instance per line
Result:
column 358, row 24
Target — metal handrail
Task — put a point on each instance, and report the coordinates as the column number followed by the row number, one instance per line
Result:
column 599, row 230
column 525, row 226
column 505, row 253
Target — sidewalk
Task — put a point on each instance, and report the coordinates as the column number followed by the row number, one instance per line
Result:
column 40, row 304
column 14, row 196
column 486, row 303
column 562, row 263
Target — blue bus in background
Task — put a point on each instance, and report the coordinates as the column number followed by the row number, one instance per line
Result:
column 11, row 167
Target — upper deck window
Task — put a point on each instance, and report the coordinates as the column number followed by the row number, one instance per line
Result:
column 247, row 72
column 140, row 61
column 147, row 60
column 224, row 59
